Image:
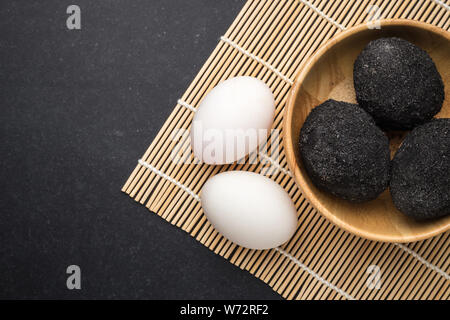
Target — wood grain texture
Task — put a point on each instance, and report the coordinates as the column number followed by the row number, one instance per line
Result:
column 284, row 34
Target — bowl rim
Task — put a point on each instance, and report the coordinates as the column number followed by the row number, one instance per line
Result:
column 304, row 68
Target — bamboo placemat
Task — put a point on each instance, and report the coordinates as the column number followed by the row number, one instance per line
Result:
column 268, row 40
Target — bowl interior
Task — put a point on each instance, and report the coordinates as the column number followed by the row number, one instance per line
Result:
column 329, row 75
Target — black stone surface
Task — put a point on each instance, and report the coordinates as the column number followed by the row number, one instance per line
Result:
column 397, row 83
column 420, row 185
column 344, row 152
column 79, row 107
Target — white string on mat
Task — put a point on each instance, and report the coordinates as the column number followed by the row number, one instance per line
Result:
column 425, row 262
column 442, row 4
column 186, row 105
column 251, row 55
column 275, row 164
column 315, row 275
column 165, row 176
column 322, row 14
column 266, row 64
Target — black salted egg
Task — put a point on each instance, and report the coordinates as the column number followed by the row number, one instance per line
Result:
column 397, row 83
column 420, row 182
column 344, row 152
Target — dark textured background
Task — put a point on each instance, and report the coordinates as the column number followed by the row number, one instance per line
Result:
column 78, row 108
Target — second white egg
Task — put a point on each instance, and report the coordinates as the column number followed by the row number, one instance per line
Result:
column 232, row 120
column 249, row 209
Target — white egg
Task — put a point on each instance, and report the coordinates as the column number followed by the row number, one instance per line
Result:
column 232, row 120
column 249, row 209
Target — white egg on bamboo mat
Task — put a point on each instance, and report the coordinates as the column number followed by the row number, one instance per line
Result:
column 232, row 120
column 249, row 209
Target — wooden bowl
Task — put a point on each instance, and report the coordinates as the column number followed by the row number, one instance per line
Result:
column 328, row 74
